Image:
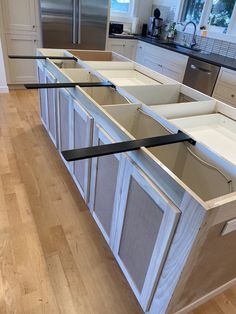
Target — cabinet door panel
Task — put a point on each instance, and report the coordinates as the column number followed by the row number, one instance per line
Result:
column 64, row 104
column 22, row 71
column 106, row 176
column 145, row 228
column 52, row 108
column 42, row 96
column 82, row 137
column 19, row 15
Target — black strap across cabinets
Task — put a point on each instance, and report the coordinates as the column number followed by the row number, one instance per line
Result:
column 68, row 85
column 42, row 57
column 116, row 148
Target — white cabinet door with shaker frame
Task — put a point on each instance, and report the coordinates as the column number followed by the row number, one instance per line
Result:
column 146, row 223
column 51, row 94
column 64, row 122
column 81, row 134
column 22, row 71
column 106, row 175
column 43, row 94
column 19, row 15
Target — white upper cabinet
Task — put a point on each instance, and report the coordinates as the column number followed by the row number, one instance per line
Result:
column 19, row 15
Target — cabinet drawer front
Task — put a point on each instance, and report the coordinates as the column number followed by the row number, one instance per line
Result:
column 225, row 93
column 145, row 228
column 228, row 77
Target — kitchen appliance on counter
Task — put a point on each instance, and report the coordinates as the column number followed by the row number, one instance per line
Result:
column 76, row 24
column 155, row 24
column 116, row 28
column 201, row 75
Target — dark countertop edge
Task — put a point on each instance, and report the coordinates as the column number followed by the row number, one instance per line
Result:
column 211, row 58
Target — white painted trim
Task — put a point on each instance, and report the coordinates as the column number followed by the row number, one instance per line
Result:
column 4, row 89
column 207, row 297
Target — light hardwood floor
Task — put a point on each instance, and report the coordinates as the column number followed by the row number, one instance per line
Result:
column 53, row 258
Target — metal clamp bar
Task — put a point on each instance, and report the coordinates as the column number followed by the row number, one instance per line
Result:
column 116, row 148
column 69, row 85
column 43, row 57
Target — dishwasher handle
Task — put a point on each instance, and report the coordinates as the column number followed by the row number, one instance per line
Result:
column 195, row 68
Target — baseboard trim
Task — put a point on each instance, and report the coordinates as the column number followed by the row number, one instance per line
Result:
column 207, row 297
column 4, row 89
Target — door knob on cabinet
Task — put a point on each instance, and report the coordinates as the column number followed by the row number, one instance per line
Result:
column 232, row 95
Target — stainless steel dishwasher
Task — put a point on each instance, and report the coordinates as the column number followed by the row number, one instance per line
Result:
column 201, row 75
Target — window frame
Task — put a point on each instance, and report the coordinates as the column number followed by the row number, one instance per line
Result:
column 124, row 14
column 213, row 31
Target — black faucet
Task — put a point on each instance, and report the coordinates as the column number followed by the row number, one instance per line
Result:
column 194, row 41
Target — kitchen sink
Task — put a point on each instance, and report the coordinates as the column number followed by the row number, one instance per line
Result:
column 179, row 46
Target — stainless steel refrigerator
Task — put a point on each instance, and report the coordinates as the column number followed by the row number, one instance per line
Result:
column 77, row 24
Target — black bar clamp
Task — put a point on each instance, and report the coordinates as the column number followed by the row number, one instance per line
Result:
column 116, row 148
column 69, row 85
column 43, row 57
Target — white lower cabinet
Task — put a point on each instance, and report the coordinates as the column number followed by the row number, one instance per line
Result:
column 106, row 176
column 225, row 87
column 22, row 71
column 126, row 48
column 145, row 227
column 51, row 99
column 81, row 134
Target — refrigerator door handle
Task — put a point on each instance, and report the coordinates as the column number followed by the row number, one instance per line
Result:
column 78, row 21
column 74, row 22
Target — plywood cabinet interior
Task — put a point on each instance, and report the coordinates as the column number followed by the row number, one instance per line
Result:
column 81, row 134
column 145, row 227
column 105, row 179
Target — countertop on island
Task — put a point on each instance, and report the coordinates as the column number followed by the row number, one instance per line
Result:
column 211, row 58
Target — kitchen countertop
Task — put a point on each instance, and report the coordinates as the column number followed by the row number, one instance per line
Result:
column 211, row 58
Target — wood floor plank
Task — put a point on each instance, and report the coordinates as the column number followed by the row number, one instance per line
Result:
column 53, row 258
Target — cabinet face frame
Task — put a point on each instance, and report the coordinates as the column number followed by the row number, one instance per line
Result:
column 69, row 103
column 171, row 215
column 86, row 117
column 41, row 70
column 101, row 134
column 51, row 79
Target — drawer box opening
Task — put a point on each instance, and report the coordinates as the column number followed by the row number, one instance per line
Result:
column 95, row 55
column 105, row 96
column 183, row 160
column 67, row 64
column 165, row 94
column 174, row 111
column 214, row 130
column 128, row 77
column 108, row 65
column 80, row 75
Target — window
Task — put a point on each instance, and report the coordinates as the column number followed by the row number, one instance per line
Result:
column 193, row 10
column 218, row 15
column 221, row 12
column 121, row 7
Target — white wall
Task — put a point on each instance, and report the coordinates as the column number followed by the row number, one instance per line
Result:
column 3, row 79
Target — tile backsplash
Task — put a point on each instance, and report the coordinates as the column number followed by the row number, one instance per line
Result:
column 211, row 45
